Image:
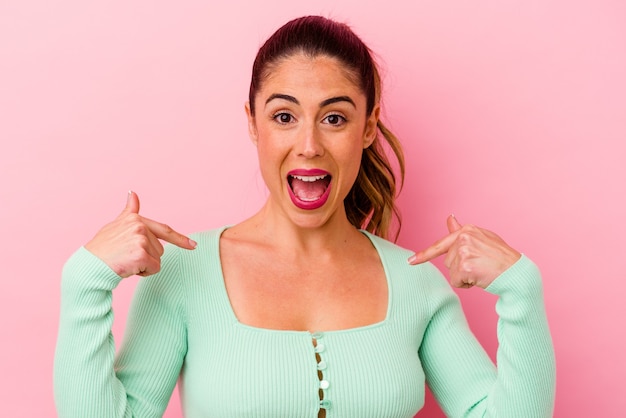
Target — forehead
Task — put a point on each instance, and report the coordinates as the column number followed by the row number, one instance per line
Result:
column 305, row 74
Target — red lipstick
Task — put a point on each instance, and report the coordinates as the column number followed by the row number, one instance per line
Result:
column 309, row 189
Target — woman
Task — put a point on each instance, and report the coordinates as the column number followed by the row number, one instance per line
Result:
column 303, row 310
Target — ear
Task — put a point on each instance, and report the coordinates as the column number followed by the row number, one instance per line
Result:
column 252, row 130
column 371, row 127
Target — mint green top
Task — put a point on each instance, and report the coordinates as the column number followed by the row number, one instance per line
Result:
column 182, row 326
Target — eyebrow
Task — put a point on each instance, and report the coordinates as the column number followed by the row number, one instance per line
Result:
column 322, row 104
column 337, row 99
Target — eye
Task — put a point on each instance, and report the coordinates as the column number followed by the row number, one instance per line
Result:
column 283, row 118
column 334, row 119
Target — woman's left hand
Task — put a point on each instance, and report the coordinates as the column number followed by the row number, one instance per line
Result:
column 475, row 256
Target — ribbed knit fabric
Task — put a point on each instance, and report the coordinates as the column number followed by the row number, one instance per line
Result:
column 181, row 324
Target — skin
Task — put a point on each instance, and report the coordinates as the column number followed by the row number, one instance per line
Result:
column 290, row 268
column 130, row 244
column 309, row 139
column 474, row 256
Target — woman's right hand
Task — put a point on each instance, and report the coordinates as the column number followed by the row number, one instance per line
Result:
column 130, row 244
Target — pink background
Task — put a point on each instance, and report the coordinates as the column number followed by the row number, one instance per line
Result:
column 512, row 114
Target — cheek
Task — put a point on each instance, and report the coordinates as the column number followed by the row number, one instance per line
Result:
column 353, row 155
column 353, row 148
column 270, row 156
column 264, row 154
column 269, row 148
column 351, row 161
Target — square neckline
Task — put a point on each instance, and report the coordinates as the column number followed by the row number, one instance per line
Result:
column 231, row 311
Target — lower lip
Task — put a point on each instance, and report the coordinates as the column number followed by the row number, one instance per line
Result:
column 309, row 204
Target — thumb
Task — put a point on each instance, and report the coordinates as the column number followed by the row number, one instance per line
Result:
column 453, row 224
column 132, row 203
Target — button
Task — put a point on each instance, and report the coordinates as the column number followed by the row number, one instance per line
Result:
column 320, row 347
column 324, row 384
column 325, row 404
column 317, row 335
column 321, row 365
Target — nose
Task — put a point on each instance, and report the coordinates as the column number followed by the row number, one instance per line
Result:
column 310, row 143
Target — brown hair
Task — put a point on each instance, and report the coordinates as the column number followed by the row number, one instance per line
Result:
column 370, row 204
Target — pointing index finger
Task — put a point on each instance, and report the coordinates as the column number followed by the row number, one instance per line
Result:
column 438, row 248
column 166, row 233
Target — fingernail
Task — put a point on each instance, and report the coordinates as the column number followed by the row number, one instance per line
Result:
column 412, row 259
column 193, row 243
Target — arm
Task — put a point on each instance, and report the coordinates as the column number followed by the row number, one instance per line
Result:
column 461, row 375
column 526, row 363
column 140, row 383
column 524, row 383
column 87, row 383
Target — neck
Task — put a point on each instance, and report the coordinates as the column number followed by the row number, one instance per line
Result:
column 307, row 234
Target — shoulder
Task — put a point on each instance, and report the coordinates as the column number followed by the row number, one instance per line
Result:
column 209, row 236
column 395, row 260
column 180, row 262
column 182, row 271
column 418, row 290
column 208, row 240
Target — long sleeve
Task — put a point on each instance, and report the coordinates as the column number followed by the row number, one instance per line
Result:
column 460, row 374
column 88, row 380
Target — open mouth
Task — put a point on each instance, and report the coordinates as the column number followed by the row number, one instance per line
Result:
column 309, row 190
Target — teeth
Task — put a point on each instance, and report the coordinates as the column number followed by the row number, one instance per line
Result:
column 309, row 178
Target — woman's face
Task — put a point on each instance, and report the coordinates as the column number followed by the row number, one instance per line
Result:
column 310, row 129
